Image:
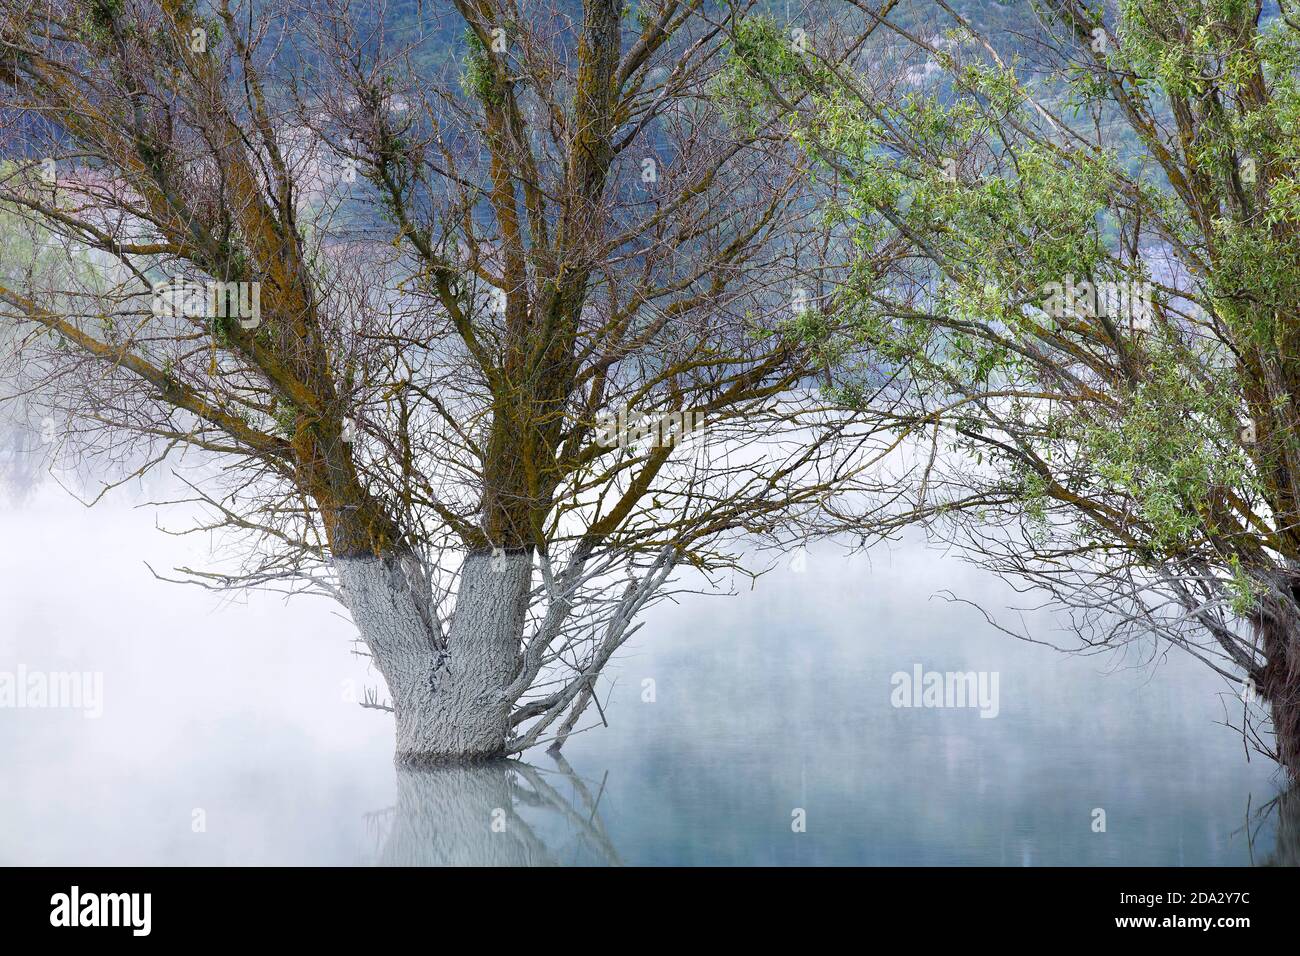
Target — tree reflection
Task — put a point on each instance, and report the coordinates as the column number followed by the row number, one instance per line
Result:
column 1284, row 810
column 502, row 813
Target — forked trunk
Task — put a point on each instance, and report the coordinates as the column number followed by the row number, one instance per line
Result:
column 448, row 695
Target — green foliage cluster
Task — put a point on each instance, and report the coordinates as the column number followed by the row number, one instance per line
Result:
column 1170, row 450
column 1145, row 425
column 477, row 74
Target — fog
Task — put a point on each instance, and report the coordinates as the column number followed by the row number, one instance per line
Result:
column 230, row 732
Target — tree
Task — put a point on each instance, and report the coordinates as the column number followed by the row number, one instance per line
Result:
column 430, row 337
column 23, row 450
column 1091, row 306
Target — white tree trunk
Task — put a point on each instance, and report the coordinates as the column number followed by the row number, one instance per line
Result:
column 448, row 696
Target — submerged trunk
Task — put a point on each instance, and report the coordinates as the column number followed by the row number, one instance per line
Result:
column 1278, row 626
column 448, row 693
column 1281, row 688
column 1285, row 711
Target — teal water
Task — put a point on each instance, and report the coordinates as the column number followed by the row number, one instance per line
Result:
column 230, row 733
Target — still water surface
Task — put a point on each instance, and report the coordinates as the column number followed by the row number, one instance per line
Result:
column 230, row 734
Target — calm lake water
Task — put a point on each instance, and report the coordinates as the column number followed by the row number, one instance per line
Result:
column 230, row 735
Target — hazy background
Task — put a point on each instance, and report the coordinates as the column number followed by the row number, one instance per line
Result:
column 771, row 700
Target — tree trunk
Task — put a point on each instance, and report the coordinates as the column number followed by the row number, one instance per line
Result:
column 1281, row 688
column 448, row 695
column 1278, row 626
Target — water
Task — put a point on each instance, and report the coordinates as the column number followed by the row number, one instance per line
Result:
column 230, row 732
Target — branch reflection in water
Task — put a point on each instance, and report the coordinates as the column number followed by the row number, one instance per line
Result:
column 498, row 813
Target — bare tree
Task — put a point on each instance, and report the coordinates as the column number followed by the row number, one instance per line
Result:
column 487, row 345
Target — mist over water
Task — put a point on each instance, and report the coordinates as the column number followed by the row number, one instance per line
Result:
column 230, row 732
